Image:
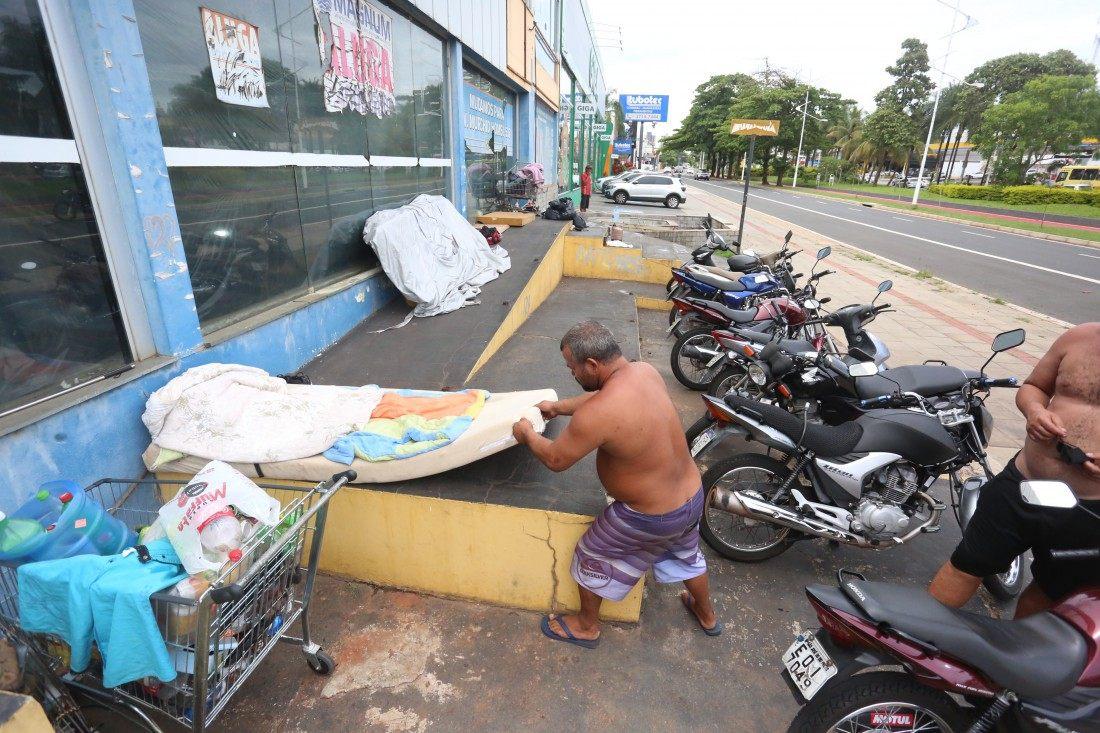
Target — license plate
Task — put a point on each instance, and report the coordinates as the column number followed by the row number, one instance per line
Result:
column 702, row 440
column 674, row 324
column 808, row 664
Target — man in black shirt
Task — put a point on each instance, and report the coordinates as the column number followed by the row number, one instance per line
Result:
column 1061, row 401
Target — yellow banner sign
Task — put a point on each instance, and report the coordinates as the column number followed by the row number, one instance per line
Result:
column 768, row 128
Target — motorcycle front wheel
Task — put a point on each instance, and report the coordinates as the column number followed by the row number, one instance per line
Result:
column 693, row 372
column 876, row 701
column 736, row 537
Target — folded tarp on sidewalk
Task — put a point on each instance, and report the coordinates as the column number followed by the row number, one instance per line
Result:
column 435, row 257
column 489, row 433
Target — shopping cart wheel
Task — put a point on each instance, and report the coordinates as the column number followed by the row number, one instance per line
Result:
column 321, row 663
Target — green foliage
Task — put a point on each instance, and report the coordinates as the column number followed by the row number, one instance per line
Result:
column 972, row 193
column 911, row 85
column 836, row 168
column 1049, row 195
column 1048, row 112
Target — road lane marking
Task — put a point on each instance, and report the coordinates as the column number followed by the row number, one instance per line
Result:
column 987, row 236
column 1094, row 281
column 1095, row 257
column 901, row 218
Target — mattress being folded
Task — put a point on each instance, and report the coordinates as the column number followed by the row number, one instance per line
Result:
column 489, row 433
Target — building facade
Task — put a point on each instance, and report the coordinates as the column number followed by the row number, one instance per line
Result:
column 186, row 183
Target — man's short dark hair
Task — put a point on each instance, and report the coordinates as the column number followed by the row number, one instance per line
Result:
column 588, row 167
column 591, row 340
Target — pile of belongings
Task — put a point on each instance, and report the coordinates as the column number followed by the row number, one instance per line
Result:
column 560, row 209
column 491, row 234
column 433, row 256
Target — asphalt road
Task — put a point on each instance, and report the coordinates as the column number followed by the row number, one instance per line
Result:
column 1055, row 278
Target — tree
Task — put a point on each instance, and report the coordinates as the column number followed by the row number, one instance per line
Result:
column 1051, row 112
column 891, row 134
column 911, row 82
column 615, row 116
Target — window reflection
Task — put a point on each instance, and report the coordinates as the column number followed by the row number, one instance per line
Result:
column 59, row 322
column 32, row 105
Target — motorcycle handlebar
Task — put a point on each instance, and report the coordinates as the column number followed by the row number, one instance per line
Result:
column 880, row 308
column 1005, row 382
column 882, row 401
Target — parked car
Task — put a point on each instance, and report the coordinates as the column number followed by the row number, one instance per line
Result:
column 666, row 189
column 702, row 175
column 904, row 182
column 607, row 183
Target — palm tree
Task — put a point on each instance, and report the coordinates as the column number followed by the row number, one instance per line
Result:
column 847, row 132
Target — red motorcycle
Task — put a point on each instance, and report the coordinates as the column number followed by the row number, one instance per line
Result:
column 1039, row 673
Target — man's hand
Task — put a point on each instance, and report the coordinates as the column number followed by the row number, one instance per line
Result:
column 1043, row 425
column 521, row 430
column 548, row 408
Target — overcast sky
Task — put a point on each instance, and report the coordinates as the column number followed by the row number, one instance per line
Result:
column 672, row 47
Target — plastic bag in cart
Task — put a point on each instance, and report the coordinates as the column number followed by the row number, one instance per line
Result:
column 214, row 489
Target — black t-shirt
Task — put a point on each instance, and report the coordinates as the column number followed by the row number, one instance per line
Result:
column 1004, row 526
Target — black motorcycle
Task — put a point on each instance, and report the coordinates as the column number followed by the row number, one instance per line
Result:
column 863, row 483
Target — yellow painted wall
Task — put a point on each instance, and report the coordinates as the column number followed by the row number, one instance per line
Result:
column 653, row 304
column 543, row 281
column 506, row 556
column 588, row 257
column 22, row 714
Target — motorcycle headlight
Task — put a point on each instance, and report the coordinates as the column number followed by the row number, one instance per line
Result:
column 757, row 374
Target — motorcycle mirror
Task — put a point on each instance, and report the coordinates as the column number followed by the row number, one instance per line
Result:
column 717, row 239
column 1008, row 340
column 1050, row 494
column 882, row 288
column 863, row 369
column 787, row 238
column 824, row 252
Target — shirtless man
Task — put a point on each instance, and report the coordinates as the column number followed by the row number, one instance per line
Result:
column 1061, row 401
column 643, row 461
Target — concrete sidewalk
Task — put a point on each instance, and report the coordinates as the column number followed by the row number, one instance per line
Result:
column 415, row 663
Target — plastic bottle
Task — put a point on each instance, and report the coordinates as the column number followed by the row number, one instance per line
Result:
column 221, row 533
column 180, row 623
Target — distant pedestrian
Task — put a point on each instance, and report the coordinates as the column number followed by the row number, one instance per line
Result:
column 586, row 188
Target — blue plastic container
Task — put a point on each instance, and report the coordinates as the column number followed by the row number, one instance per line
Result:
column 72, row 524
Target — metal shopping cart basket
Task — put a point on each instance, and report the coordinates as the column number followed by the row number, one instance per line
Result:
column 218, row 639
column 518, row 190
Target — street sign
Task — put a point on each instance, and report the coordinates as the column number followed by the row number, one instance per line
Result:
column 767, row 128
column 644, row 107
column 605, row 137
column 585, row 108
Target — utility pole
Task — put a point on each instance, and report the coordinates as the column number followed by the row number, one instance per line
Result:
column 745, row 196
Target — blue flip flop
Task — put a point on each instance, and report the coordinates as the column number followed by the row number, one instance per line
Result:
column 568, row 638
column 715, row 630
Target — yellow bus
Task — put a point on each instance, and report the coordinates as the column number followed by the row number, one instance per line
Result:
column 1080, row 177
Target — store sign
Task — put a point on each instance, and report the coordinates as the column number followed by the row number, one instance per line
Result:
column 585, row 108
column 601, row 128
column 644, row 107
column 623, row 147
column 605, row 137
column 766, row 128
column 233, row 46
column 360, row 72
column 488, row 121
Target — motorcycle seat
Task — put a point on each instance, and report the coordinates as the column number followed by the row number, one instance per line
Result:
column 1038, row 657
column 742, row 263
column 827, row 441
column 715, row 281
column 924, row 379
column 735, row 315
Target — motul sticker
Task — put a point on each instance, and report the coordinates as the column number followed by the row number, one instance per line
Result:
column 894, row 720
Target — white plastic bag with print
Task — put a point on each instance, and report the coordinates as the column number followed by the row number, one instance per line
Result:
column 213, row 490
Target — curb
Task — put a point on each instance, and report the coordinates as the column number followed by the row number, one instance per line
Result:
column 999, row 227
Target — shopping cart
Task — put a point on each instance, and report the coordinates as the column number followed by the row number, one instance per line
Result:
column 236, row 621
column 518, row 192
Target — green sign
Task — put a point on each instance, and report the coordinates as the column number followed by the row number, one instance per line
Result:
column 602, row 128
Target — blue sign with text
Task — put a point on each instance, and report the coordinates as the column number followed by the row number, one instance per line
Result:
column 644, row 107
column 624, row 147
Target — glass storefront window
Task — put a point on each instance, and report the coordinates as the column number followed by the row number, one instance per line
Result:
column 60, row 323
column 565, row 134
column 273, row 233
column 546, row 141
column 488, row 116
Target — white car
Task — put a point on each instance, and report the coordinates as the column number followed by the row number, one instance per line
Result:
column 608, row 184
column 652, row 187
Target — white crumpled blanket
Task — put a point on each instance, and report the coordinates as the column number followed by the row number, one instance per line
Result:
column 241, row 414
column 432, row 254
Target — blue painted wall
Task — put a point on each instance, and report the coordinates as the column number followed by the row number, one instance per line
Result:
column 104, row 436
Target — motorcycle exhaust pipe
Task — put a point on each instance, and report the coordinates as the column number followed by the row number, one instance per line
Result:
column 741, row 504
column 691, row 351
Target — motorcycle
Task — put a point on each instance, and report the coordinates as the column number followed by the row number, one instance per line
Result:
column 1040, row 673
column 867, row 480
column 709, row 280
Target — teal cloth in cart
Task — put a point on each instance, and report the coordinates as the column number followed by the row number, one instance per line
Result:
column 106, row 600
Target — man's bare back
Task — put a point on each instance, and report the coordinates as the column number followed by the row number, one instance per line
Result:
column 1069, row 374
column 643, row 460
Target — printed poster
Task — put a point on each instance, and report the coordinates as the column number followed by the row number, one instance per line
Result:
column 234, row 48
column 359, row 76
